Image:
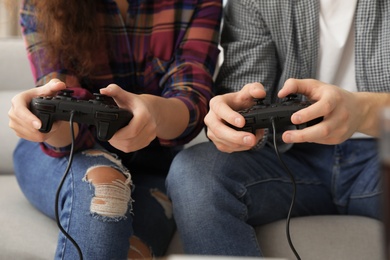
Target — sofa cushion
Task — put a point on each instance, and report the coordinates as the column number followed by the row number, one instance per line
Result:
column 325, row 237
column 9, row 137
column 25, row 232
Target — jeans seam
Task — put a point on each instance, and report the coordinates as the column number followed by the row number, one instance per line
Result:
column 372, row 194
column 306, row 182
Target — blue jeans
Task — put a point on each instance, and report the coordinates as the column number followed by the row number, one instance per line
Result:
column 147, row 213
column 218, row 197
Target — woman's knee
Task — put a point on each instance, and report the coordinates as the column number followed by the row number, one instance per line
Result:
column 112, row 191
column 112, row 187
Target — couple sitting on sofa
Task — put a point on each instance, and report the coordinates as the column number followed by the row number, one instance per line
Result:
column 157, row 60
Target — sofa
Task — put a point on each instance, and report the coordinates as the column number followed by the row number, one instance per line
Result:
column 25, row 233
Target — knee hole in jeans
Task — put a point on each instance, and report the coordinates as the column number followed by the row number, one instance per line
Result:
column 112, row 191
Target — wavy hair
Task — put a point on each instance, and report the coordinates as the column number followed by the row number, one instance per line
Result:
column 70, row 31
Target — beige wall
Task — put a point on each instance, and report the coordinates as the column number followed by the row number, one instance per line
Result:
column 9, row 20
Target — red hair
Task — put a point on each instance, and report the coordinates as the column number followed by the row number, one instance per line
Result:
column 70, row 31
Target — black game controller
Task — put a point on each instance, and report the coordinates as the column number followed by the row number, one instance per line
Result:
column 101, row 112
column 262, row 114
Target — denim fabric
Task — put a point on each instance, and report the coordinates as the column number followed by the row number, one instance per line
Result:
column 218, row 197
column 99, row 237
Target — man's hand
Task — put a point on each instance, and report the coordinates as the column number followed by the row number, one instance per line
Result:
column 223, row 109
column 344, row 112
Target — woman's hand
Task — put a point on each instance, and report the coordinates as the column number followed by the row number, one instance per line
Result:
column 344, row 112
column 223, row 110
column 153, row 116
column 26, row 125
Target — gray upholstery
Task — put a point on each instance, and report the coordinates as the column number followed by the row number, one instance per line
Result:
column 27, row 234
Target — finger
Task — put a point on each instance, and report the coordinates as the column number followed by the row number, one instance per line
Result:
column 245, row 97
column 20, row 112
column 27, row 133
column 24, row 115
column 20, row 104
column 117, row 93
column 51, row 88
column 313, row 112
column 233, row 137
column 305, row 87
column 223, row 111
column 223, row 145
column 318, row 133
column 222, row 133
column 255, row 90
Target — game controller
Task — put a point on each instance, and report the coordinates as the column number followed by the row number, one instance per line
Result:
column 101, row 112
column 262, row 114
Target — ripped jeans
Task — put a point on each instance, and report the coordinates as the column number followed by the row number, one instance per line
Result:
column 101, row 216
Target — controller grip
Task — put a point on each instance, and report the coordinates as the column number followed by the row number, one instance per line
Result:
column 45, row 118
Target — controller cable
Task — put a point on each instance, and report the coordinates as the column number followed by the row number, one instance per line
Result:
column 62, row 183
column 293, row 194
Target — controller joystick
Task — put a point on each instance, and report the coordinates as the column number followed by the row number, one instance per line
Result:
column 99, row 97
column 262, row 115
column 259, row 102
column 101, row 112
column 291, row 97
column 66, row 93
column 102, row 99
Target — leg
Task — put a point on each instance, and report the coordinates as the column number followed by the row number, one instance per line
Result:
column 112, row 193
column 356, row 178
column 218, row 197
column 100, row 224
column 153, row 224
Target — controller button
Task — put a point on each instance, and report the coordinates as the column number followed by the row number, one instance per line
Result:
column 103, row 130
column 248, row 129
column 106, row 116
column 250, row 120
column 45, row 122
column 46, row 107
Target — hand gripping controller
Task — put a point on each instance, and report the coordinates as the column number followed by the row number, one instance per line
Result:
column 261, row 114
column 101, row 112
